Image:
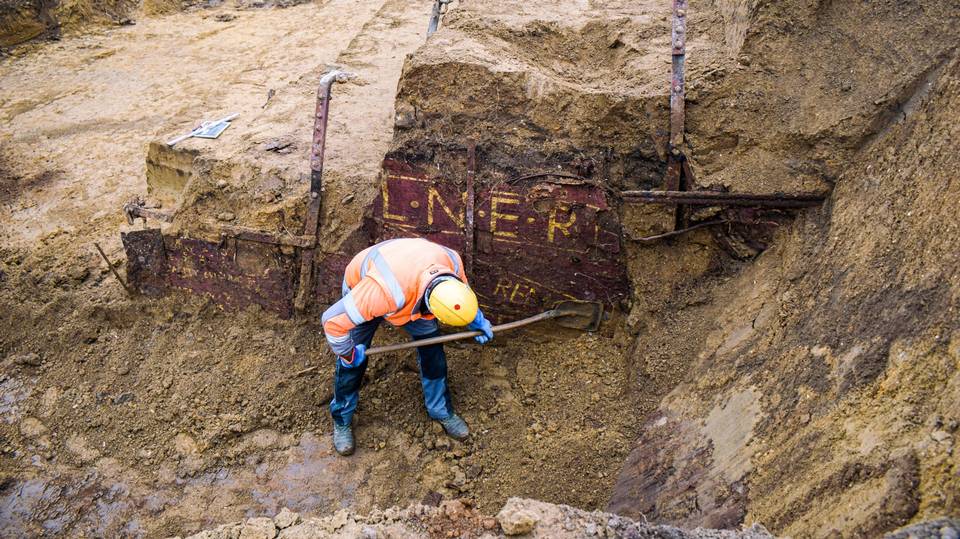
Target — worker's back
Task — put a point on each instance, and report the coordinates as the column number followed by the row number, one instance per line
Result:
column 403, row 267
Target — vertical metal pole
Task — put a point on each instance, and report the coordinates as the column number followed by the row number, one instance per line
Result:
column 439, row 8
column 312, row 221
column 677, row 112
column 319, row 138
column 468, row 231
column 434, row 18
column 679, row 44
column 676, row 157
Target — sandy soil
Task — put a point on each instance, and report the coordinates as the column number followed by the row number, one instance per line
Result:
column 780, row 390
column 88, row 122
column 825, row 397
column 787, row 96
column 171, row 416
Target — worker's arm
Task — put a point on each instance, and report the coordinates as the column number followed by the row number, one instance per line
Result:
column 366, row 301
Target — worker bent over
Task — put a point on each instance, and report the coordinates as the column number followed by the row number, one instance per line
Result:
column 412, row 283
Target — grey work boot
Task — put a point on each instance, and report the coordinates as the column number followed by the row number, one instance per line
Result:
column 343, row 439
column 455, row 427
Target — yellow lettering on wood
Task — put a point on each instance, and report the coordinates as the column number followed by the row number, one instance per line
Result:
column 495, row 216
column 386, row 203
column 555, row 225
column 434, row 195
column 503, row 288
column 524, row 297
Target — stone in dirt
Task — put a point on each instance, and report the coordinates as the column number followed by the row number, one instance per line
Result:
column 258, row 528
column 124, row 397
column 30, row 359
column 286, row 518
column 453, row 508
column 337, row 521
column 455, row 519
column 31, row 427
column 515, row 519
column 943, row 528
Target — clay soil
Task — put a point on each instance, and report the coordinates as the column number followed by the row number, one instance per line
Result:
column 124, row 415
column 806, row 382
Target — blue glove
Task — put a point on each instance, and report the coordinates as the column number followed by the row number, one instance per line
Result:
column 482, row 324
column 357, row 357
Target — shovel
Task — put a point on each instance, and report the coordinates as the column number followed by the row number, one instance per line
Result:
column 582, row 315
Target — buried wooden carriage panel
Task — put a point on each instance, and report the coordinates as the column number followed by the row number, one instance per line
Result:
column 234, row 274
column 536, row 242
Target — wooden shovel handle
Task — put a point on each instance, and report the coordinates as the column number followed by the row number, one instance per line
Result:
column 554, row 313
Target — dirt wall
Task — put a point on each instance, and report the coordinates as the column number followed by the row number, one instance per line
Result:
column 824, row 400
column 813, row 81
column 22, row 21
column 782, row 97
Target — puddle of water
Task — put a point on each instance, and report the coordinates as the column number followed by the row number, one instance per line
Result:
column 13, row 391
column 308, row 478
column 308, row 482
column 50, row 506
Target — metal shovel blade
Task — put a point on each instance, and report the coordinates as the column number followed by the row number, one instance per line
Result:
column 582, row 315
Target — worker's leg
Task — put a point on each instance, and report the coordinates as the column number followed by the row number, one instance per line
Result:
column 433, row 369
column 346, row 381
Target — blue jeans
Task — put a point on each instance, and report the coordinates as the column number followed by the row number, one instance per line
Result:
column 433, row 372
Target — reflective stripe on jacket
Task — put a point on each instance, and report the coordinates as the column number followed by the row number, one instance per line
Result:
column 388, row 279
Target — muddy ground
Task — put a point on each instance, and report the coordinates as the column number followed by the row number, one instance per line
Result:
column 810, row 388
column 172, row 415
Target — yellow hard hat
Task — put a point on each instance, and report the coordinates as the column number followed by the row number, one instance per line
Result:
column 453, row 303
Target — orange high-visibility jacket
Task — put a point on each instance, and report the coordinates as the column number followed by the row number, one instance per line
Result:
column 388, row 279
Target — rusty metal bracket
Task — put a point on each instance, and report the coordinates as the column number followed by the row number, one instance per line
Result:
column 136, row 209
column 311, row 224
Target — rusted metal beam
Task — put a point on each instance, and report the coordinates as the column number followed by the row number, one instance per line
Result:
column 722, row 198
column 259, row 236
column 671, row 181
column 312, row 221
column 677, row 165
